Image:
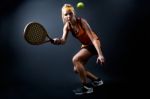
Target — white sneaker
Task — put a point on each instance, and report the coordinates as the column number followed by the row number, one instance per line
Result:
column 83, row 90
column 97, row 83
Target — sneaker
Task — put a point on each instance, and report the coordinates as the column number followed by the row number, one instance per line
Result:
column 97, row 83
column 83, row 90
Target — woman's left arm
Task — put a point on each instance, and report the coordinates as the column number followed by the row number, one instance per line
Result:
column 95, row 40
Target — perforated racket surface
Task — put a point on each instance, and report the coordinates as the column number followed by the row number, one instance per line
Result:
column 36, row 34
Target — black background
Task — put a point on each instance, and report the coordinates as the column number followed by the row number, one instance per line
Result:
column 46, row 71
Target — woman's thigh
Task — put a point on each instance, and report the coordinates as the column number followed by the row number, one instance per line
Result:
column 82, row 56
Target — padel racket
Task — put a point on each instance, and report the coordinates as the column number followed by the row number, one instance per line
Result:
column 36, row 34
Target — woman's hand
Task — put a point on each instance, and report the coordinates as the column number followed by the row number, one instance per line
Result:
column 100, row 59
column 57, row 41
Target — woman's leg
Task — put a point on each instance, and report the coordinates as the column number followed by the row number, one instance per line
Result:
column 79, row 61
column 91, row 76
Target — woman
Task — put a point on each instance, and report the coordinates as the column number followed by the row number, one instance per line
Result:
column 90, row 46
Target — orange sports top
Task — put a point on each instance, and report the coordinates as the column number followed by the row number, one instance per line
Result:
column 81, row 35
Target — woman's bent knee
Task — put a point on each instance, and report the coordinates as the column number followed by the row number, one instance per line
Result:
column 75, row 59
column 75, row 69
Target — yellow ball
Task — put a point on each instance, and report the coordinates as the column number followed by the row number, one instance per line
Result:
column 80, row 5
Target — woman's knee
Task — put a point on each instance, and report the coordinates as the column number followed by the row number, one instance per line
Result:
column 75, row 60
column 78, row 64
column 75, row 69
column 78, row 68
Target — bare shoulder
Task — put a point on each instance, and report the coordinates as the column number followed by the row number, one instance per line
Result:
column 84, row 21
column 85, row 24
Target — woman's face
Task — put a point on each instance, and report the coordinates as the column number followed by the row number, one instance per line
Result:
column 68, row 16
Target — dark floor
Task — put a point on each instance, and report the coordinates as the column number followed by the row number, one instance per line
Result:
column 64, row 91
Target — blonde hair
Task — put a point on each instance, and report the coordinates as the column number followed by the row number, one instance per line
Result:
column 67, row 7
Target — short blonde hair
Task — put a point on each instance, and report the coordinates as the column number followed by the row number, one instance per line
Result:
column 67, row 7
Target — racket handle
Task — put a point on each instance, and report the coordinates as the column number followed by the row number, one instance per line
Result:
column 51, row 40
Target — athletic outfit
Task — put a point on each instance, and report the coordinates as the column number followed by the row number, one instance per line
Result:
column 82, row 36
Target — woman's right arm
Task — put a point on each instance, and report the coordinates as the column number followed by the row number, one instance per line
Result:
column 63, row 39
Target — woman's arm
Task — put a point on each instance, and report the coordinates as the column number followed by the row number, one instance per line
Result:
column 63, row 39
column 95, row 40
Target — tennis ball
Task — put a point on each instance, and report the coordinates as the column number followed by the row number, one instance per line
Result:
column 80, row 5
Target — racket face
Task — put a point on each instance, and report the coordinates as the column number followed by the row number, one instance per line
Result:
column 35, row 33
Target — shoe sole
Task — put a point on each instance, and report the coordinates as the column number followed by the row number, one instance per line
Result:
column 91, row 91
